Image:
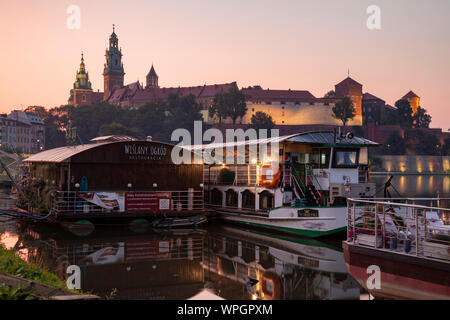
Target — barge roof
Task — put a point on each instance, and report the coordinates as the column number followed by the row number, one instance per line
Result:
column 322, row 138
column 62, row 154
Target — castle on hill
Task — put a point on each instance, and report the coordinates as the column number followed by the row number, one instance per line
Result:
column 287, row 107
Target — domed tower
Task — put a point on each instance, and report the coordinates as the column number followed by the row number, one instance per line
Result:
column 82, row 89
column 113, row 73
column 152, row 79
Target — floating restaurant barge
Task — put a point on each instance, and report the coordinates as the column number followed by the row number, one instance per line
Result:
column 300, row 187
column 111, row 177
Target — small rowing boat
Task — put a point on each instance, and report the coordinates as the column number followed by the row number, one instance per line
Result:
column 179, row 222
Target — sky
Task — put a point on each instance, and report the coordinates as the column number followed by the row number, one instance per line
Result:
column 284, row 44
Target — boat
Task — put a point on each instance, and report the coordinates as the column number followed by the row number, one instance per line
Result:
column 179, row 222
column 300, row 188
column 399, row 250
column 112, row 179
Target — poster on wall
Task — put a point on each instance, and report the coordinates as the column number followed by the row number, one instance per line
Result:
column 113, row 201
column 147, row 201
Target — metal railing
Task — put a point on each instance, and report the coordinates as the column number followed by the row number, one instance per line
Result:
column 405, row 228
column 247, row 175
column 66, row 202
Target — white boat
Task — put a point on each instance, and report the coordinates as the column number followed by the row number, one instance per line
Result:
column 300, row 189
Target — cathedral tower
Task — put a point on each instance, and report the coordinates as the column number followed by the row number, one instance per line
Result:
column 81, row 93
column 113, row 73
column 152, row 79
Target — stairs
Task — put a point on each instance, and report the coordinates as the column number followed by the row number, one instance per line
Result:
column 309, row 194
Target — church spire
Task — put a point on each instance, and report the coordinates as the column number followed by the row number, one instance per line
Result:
column 152, row 78
column 113, row 73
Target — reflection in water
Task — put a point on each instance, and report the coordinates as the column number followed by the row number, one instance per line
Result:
column 179, row 264
column 145, row 264
column 415, row 185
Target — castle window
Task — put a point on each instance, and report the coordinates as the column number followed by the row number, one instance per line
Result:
column 282, row 107
column 253, row 109
column 83, row 98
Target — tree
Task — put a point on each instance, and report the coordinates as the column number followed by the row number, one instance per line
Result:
column 261, row 120
column 421, row 118
column 404, row 113
column 344, row 110
column 446, row 147
column 421, row 143
column 229, row 104
column 115, row 128
column 394, row 145
column 330, row 94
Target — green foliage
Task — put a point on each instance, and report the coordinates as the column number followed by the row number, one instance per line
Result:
column 229, row 104
column 421, row 143
column 18, row 293
column 403, row 115
column 446, row 147
column 344, row 110
column 330, row 94
column 115, row 128
column 262, row 120
column 226, row 176
column 421, row 118
column 395, row 145
column 157, row 119
column 10, row 263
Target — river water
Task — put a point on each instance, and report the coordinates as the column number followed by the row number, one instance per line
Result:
column 124, row 262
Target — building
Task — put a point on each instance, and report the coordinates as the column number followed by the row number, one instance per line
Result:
column 287, row 107
column 134, row 95
column 413, row 99
column 22, row 132
column 300, row 107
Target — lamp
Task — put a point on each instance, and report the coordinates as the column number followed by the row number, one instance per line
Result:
column 129, row 185
column 155, row 184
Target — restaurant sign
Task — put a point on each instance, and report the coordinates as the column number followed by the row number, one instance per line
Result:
column 145, row 152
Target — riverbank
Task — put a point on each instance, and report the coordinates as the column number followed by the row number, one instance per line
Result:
column 20, row 280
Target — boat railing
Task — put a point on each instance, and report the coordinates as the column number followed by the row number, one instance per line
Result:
column 247, row 175
column 400, row 227
column 66, row 202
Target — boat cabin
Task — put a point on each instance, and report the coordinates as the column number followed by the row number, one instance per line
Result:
column 113, row 174
column 306, row 169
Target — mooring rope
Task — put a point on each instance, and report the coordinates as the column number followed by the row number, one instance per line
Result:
column 26, row 215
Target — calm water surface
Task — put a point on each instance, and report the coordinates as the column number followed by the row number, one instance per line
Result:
column 140, row 263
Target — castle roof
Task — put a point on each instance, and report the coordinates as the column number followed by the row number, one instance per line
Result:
column 152, row 72
column 277, row 95
column 410, row 95
column 369, row 96
column 348, row 81
column 155, row 93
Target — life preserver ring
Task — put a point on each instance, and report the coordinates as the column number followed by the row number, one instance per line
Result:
column 271, row 286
